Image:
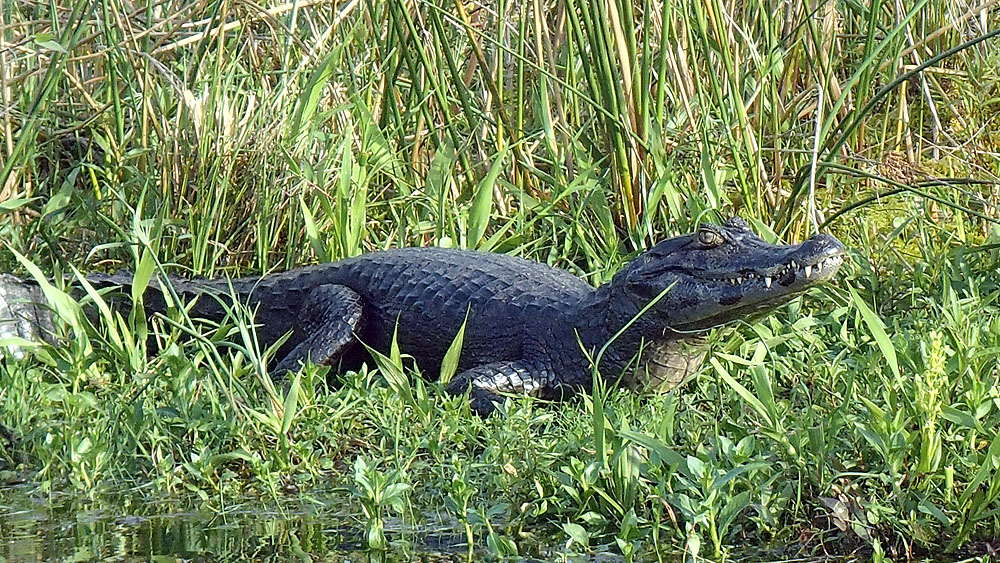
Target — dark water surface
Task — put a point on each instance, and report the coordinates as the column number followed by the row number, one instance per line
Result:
column 125, row 527
column 131, row 527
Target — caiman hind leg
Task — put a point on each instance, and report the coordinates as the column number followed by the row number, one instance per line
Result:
column 330, row 320
column 485, row 383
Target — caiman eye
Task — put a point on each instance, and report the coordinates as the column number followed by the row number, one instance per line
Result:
column 709, row 237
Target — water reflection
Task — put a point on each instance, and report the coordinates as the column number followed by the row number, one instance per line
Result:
column 130, row 526
column 34, row 529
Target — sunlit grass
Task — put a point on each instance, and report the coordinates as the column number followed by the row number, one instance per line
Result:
column 223, row 139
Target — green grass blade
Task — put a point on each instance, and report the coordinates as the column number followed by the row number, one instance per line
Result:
column 877, row 330
column 143, row 273
column 316, row 241
column 291, row 404
column 482, row 203
column 308, row 100
column 62, row 304
column 743, row 392
column 449, row 364
column 989, row 466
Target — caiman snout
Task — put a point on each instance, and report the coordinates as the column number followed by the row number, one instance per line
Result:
column 812, row 262
column 725, row 272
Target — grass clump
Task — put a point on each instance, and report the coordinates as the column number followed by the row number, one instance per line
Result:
column 223, row 139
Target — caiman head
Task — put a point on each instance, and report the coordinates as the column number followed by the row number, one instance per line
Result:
column 722, row 273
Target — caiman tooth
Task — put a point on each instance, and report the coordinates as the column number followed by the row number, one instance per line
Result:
column 767, row 281
column 809, row 270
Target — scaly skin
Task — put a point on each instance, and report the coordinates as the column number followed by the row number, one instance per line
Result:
column 529, row 328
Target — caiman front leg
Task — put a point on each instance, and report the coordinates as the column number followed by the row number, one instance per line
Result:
column 485, row 383
column 330, row 320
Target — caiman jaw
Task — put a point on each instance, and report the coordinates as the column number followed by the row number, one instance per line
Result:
column 764, row 288
column 722, row 273
column 808, row 273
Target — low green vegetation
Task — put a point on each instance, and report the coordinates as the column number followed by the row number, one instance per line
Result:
column 223, row 139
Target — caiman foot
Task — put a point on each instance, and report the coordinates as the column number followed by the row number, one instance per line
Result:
column 486, row 383
column 331, row 316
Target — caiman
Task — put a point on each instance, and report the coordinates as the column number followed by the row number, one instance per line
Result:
column 529, row 328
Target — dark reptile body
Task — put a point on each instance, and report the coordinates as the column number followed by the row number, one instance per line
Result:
column 518, row 310
column 529, row 328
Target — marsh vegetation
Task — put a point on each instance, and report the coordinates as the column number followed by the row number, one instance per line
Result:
column 220, row 138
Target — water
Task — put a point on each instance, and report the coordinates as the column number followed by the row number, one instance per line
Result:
column 128, row 526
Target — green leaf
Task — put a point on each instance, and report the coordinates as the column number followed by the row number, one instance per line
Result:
column 143, row 273
column 391, row 368
column 393, row 495
column 51, row 46
column 762, row 388
column 928, row 508
column 737, row 471
column 440, row 170
column 732, row 509
column 17, row 342
column 658, row 447
column 743, row 392
column 376, row 538
column 291, row 403
column 62, row 304
column 876, row 411
column 482, row 203
column 962, row 418
column 877, row 330
column 500, row 546
column 114, row 328
column 696, row 466
column 312, row 231
column 988, row 465
column 308, row 100
column 266, row 419
column 449, row 365
column 354, row 228
column 239, row 454
column 15, row 203
column 577, row 534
